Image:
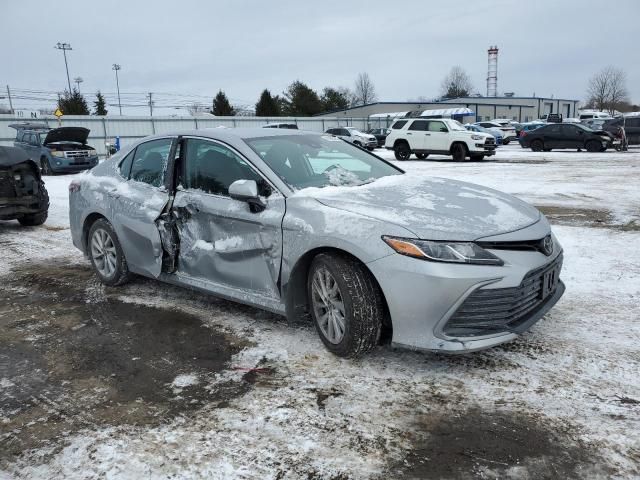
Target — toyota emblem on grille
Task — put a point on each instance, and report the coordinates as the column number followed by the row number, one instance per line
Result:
column 547, row 245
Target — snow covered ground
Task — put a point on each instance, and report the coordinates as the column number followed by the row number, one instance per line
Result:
column 154, row 381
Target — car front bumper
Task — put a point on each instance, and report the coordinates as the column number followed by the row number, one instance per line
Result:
column 424, row 297
column 11, row 208
column 65, row 165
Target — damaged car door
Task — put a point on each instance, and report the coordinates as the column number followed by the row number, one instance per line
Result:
column 139, row 201
column 234, row 247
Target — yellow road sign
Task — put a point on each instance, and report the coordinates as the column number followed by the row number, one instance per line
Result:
column 58, row 113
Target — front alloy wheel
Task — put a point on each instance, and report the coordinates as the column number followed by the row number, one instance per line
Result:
column 346, row 304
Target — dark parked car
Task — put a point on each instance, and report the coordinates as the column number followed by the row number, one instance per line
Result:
column 23, row 196
column 57, row 150
column 380, row 134
column 566, row 135
column 631, row 128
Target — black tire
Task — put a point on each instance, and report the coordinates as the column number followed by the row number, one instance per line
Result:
column 121, row 274
column 593, row 146
column 459, row 152
column 477, row 158
column 362, row 300
column 546, row 149
column 45, row 166
column 506, row 142
column 537, row 145
column 357, row 144
column 402, row 151
column 35, row 219
column 422, row 156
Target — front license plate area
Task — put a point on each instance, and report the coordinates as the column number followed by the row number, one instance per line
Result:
column 550, row 281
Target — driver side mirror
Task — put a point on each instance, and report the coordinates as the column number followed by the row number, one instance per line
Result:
column 247, row 191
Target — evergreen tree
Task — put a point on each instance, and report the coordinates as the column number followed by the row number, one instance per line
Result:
column 73, row 103
column 100, row 105
column 221, row 106
column 267, row 106
column 301, row 100
column 334, row 99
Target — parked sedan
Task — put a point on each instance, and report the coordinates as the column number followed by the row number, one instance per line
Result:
column 380, row 134
column 566, row 135
column 496, row 132
column 311, row 227
column 509, row 131
column 355, row 136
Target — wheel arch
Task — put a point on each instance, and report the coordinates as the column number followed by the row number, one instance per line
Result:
column 458, row 142
column 399, row 141
column 295, row 290
column 86, row 226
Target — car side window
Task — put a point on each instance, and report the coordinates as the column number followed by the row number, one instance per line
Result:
column 19, row 135
column 150, row 161
column 420, row 125
column 125, row 164
column 399, row 125
column 437, row 127
column 213, row 167
column 344, row 132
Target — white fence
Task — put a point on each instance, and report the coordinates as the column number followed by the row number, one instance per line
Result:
column 129, row 129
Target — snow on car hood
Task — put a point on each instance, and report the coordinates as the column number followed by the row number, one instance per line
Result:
column 430, row 207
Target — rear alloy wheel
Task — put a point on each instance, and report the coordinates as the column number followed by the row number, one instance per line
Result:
column 45, row 166
column 106, row 254
column 593, row 146
column 459, row 152
column 537, row 145
column 346, row 304
column 402, row 151
column 422, row 156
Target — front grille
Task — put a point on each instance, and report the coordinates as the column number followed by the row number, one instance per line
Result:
column 77, row 154
column 490, row 141
column 491, row 310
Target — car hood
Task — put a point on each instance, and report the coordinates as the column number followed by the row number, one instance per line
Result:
column 67, row 134
column 432, row 208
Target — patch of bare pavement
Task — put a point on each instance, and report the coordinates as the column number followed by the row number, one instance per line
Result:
column 586, row 217
column 73, row 358
column 476, row 444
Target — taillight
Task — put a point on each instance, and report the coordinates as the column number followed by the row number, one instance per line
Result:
column 74, row 187
column 523, row 133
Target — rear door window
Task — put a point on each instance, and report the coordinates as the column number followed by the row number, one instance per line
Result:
column 150, row 161
column 435, row 126
column 420, row 125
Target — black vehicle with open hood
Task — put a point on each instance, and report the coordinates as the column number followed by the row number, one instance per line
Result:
column 23, row 195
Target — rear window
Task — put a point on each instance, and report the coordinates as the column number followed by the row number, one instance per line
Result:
column 399, row 125
column 150, row 160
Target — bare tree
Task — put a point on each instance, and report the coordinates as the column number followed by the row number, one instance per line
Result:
column 456, row 84
column 196, row 108
column 364, row 92
column 607, row 89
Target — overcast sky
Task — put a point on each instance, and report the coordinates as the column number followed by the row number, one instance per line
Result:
column 547, row 47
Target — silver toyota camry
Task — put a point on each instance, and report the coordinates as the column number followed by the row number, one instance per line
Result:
column 314, row 228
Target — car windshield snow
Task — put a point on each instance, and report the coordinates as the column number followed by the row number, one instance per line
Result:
column 456, row 125
column 319, row 160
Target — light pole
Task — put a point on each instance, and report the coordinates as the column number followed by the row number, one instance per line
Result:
column 78, row 81
column 64, row 47
column 116, row 67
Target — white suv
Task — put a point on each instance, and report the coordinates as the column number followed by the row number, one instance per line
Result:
column 441, row 136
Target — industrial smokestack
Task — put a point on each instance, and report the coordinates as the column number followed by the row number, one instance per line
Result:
column 492, row 73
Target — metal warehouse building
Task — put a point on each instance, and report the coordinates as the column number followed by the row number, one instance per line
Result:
column 521, row 109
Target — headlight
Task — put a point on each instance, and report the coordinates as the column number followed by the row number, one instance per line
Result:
column 57, row 153
column 451, row 252
column 477, row 137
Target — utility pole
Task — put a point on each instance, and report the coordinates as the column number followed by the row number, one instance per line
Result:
column 151, row 104
column 116, row 67
column 64, row 47
column 9, row 97
column 78, row 81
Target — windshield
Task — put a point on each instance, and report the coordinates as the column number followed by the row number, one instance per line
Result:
column 319, row 160
column 456, row 125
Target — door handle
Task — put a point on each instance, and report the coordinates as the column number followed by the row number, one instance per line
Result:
column 409, row 133
column 427, row 134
